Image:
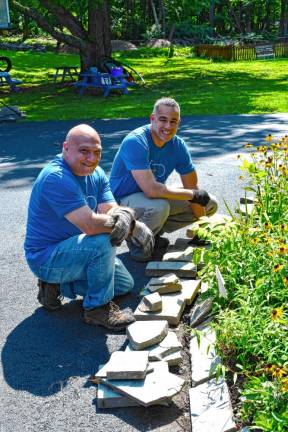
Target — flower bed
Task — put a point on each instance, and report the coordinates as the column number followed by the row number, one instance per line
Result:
column 252, row 322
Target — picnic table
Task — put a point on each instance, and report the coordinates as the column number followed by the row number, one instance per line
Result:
column 103, row 81
column 5, row 78
column 63, row 72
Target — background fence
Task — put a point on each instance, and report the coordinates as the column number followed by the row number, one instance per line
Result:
column 243, row 52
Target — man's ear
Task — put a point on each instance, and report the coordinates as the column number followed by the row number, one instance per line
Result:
column 152, row 117
column 65, row 146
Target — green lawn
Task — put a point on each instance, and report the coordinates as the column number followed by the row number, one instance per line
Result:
column 200, row 86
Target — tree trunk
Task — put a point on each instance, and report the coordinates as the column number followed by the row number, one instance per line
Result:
column 92, row 43
column 283, row 18
column 212, row 17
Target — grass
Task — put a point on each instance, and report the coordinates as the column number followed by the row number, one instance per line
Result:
column 200, row 85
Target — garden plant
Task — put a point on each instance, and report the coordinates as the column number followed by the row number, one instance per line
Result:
column 252, row 322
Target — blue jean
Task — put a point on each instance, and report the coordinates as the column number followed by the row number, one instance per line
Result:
column 86, row 266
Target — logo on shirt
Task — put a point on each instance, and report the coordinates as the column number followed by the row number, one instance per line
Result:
column 157, row 169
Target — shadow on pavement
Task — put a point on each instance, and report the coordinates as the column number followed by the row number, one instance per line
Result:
column 27, row 146
column 47, row 349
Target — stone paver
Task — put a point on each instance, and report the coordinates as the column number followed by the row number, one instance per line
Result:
column 159, row 268
column 200, row 312
column 169, row 345
column 157, row 386
column 221, row 283
column 144, row 334
column 190, row 288
column 151, row 303
column 127, row 365
column 203, row 358
column 107, row 398
column 179, row 255
column 210, row 407
column 172, row 308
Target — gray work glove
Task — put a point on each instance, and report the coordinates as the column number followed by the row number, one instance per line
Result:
column 122, row 222
column 143, row 236
column 200, row 197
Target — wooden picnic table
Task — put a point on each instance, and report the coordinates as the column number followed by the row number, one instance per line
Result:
column 63, row 72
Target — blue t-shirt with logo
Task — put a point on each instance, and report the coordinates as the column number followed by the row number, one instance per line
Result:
column 55, row 193
column 138, row 152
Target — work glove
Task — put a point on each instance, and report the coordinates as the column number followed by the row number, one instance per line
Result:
column 200, row 197
column 143, row 236
column 122, row 222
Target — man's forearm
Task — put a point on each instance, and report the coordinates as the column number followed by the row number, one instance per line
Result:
column 160, row 190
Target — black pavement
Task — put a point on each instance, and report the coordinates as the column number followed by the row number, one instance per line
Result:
column 47, row 358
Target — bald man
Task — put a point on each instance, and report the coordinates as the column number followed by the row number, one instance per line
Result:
column 73, row 227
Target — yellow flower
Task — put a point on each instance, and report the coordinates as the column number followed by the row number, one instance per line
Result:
column 268, row 225
column 262, row 149
column 248, row 145
column 284, row 385
column 283, row 249
column 277, row 268
column 277, row 313
column 269, row 138
column 279, row 372
column 285, row 280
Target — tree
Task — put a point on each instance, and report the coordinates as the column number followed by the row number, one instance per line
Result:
column 88, row 32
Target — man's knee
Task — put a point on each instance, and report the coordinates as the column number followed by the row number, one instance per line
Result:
column 156, row 214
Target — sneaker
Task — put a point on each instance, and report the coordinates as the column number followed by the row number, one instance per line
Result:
column 161, row 242
column 49, row 295
column 109, row 316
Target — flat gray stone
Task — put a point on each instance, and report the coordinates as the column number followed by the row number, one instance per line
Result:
column 169, row 345
column 127, row 365
column 221, row 283
column 168, row 279
column 107, row 398
column 173, row 359
column 190, row 288
column 144, row 334
column 203, row 358
column 181, row 269
column 245, row 209
column 200, row 312
column 210, row 407
column 156, row 387
column 172, row 308
column 151, row 303
column 183, row 256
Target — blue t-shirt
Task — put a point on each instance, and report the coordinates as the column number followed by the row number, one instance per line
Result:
column 138, row 152
column 57, row 192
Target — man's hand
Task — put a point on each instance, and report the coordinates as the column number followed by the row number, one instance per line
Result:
column 200, row 197
column 122, row 222
column 143, row 236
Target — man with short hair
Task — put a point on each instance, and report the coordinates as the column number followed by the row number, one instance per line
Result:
column 144, row 161
column 73, row 227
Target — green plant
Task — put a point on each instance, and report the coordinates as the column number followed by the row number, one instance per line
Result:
column 252, row 322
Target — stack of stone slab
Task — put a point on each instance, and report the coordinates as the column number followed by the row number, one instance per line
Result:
column 129, row 378
column 155, row 338
column 165, row 298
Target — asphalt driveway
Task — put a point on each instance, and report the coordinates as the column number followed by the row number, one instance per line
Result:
column 48, row 358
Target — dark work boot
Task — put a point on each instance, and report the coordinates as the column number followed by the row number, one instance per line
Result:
column 49, row 295
column 109, row 316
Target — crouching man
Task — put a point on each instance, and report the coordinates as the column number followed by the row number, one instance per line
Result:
column 73, row 228
column 143, row 163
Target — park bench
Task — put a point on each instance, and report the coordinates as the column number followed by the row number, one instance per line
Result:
column 103, row 81
column 6, row 79
column 264, row 51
